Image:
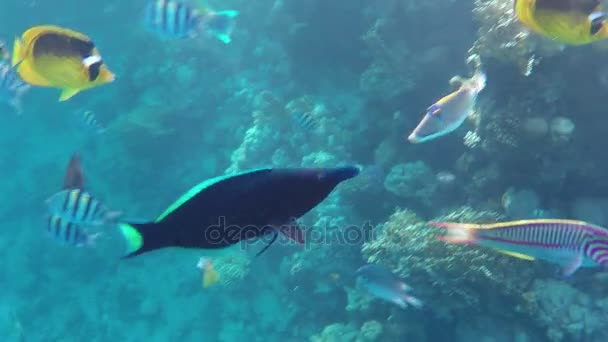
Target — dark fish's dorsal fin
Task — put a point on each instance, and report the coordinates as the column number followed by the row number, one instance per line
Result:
column 275, row 234
column 74, row 177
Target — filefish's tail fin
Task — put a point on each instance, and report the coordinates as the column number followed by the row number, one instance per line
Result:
column 221, row 24
column 462, row 233
column 142, row 237
column 413, row 301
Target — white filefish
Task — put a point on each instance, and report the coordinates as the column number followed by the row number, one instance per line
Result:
column 447, row 114
column 383, row 284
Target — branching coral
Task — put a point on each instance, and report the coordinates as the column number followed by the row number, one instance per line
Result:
column 449, row 277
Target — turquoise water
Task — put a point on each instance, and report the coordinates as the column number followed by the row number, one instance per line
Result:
column 181, row 111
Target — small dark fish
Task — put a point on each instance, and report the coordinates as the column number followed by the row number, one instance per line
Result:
column 225, row 210
column 445, row 177
column 79, row 207
column 306, row 121
column 89, row 119
column 172, row 18
column 74, row 177
column 383, row 284
column 69, row 233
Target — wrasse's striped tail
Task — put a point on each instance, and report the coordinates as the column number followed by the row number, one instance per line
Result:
column 462, row 233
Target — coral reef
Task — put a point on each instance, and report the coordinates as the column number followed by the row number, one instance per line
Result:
column 448, row 277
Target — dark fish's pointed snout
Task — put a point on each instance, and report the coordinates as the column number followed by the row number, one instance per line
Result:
column 340, row 174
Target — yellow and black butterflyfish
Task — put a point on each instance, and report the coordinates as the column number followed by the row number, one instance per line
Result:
column 574, row 22
column 56, row 57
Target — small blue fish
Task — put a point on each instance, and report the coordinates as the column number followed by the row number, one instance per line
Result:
column 306, row 120
column 89, row 119
column 79, row 207
column 12, row 87
column 383, row 284
column 69, row 233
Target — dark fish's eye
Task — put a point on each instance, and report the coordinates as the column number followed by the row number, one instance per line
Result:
column 94, row 70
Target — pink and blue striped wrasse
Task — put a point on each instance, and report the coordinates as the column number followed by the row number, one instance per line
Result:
column 568, row 243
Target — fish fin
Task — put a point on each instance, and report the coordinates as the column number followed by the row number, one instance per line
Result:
column 404, row 287
column 462, row 233
column 221, row 24
column 67, row 94
column 293, row 232
column 274, row 238
column 210, row 277
column 516, row 255
column 18, row 52
column 74, row 176
column 572, row 266
column 143, row 237
column 596, row 20
column 413, row 301
column 112, row 216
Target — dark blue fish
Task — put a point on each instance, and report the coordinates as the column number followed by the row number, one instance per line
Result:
column 12, row 87
column 306, row 121
column 172, row 18
column 225, row 210
column 381, row 283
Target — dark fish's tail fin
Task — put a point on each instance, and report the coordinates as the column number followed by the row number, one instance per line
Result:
column 341, row 174
column 142, row 237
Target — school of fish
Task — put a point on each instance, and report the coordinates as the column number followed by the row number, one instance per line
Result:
column 61, row 58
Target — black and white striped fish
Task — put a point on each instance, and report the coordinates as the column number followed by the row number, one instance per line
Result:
column 12, row 87
column 306, row 121
column 69, row 233
column 79, row 207
column 90, row 120
column 172, row 18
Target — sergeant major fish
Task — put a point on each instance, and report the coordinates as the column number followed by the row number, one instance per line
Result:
column 63, row 230
column 447, row 114
column 184, row 19
column 570, row 244
column 383, row 284
column 79, row 207
column 70, row 233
